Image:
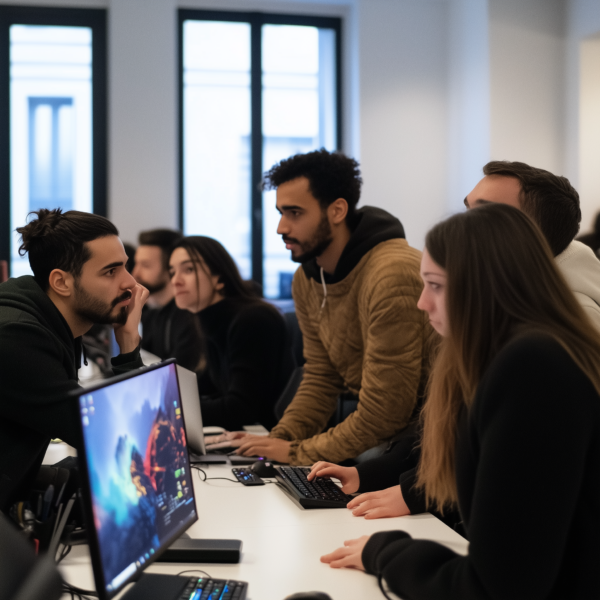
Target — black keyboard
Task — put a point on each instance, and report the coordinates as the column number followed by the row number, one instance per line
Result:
column 202, row 588
column 318, row 493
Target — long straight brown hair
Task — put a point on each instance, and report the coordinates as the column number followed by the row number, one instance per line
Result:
column 502, row 282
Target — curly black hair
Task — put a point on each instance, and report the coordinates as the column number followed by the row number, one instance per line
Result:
column 331, row 175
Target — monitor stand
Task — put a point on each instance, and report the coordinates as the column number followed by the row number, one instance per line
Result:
column 186, row 549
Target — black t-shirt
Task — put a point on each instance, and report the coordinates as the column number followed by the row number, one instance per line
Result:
column 527, row 472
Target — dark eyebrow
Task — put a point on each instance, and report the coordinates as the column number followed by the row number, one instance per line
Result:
column 112, row 266
column 429, row 273
column 289, row 207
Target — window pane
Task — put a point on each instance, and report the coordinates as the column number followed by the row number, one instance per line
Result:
column 50, row 123
column 216, row 135
column 299, row 100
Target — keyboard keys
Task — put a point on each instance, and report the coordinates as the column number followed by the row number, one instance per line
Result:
column 311, row 494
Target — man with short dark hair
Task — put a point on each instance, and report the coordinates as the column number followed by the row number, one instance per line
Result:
column 356, row 296
column 167, row 331
column 79, row 279
column 552, row 203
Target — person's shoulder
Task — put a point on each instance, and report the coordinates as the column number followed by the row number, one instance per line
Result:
column 258, row 311
column 394, row 257
column 534, row 362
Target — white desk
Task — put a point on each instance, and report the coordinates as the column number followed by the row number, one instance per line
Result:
column 281, row 542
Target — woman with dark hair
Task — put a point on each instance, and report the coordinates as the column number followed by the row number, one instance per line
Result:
column 247, row 358
column 511, row 425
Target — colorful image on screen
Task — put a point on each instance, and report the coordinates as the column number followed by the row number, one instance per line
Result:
column 138, row 468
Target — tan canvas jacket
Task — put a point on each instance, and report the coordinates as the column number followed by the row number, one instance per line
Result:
column 366, row 336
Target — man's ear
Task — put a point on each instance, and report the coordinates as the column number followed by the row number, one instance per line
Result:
column 61, row 283
column 337, row 211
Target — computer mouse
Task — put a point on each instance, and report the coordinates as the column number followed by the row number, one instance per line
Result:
column 263, row 468
column 309, row 596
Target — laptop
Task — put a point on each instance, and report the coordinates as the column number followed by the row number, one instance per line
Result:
column 137, row 482
column 199, row 452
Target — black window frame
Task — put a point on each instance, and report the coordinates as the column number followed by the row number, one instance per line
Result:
column 256, row 21
column 95, row 19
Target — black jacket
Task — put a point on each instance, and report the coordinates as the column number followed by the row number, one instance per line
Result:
column 39, row 359
column 169, row 332
column 249, row 362
column 527, row 473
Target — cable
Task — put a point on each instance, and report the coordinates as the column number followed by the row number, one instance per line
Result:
column 206, row 478
column 76, row 592
column 65, row 551
column 380, row 581
column 195, row 571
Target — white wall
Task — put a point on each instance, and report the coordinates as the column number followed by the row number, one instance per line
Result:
column 583, row 105
column 527, row 69
column 403, row 113
column 468, row 97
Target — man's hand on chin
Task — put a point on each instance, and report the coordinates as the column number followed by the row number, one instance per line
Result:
column 271, row 448
column 127, row 335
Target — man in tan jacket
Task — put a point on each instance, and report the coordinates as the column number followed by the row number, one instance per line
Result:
column 356, row 299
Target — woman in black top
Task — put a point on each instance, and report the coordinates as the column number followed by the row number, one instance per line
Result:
column 511, row 425
column 247, row 356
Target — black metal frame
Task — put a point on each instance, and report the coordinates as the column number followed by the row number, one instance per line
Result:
column 33, row 15
column 256, row 21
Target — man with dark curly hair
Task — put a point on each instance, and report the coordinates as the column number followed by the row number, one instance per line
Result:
column 356, row 296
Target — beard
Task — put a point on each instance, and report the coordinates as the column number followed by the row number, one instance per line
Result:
column 314, row 247
column 99, row 312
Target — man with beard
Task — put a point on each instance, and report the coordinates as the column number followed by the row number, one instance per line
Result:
column 79, row 279
column 356, row 296
column 167, row 331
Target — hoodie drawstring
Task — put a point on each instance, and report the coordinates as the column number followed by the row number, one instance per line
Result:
column 324, row 290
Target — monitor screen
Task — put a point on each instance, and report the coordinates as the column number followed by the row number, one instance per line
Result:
column 137, row 470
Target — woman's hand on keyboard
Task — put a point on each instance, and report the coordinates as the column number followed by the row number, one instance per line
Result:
column 380, row 505
column 347, row 475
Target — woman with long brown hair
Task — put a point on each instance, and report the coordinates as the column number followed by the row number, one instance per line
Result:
column 511, row 425
column 248, row 357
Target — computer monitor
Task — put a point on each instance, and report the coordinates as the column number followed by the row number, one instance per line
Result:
column 137, row 480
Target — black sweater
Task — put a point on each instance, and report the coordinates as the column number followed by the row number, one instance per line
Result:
column 527, row 472
column 169, row 332
column 249, row 362
column 39, row 359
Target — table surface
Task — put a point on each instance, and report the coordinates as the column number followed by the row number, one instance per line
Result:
column 282, row 543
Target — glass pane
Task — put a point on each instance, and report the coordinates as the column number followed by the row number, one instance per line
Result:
column 299, row 115
column 50, row 123
column 216, row 135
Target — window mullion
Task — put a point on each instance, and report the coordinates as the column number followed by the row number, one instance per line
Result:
column 256, row 147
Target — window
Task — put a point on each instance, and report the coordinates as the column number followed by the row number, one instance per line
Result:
column 53, row 117
column 254, row 89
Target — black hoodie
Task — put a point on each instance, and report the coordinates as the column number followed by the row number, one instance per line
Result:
column 371, row 227
column 39, row 359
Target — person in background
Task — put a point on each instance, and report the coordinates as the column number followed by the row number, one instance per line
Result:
column 355, row 295
column 167, row 331
column 553, row 204
column 511, row 426
column 79, row 279
column 592, row 239
column 248, row 354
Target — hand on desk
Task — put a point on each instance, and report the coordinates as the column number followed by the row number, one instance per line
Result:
column 260, row 445
column 227, row 436
column 380, row 505
column 347, row 475
column 348, row 556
